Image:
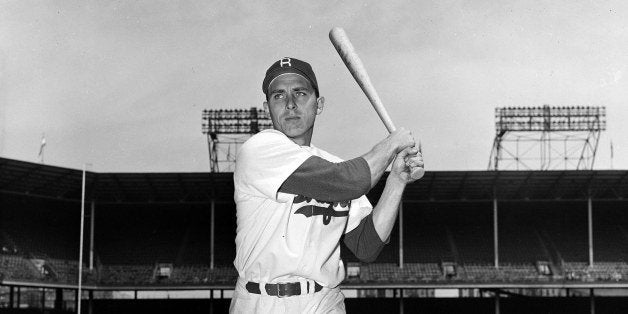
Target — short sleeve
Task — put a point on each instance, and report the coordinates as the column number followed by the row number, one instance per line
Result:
column 360, row 208
column 264, row 162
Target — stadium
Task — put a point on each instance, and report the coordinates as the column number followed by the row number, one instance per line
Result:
column 123, row 215
column 465, row 242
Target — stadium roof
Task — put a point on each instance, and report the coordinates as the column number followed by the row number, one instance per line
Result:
column 39, row 180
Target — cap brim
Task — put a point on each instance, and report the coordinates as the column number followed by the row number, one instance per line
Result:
column 295, row 72
column 281, row 71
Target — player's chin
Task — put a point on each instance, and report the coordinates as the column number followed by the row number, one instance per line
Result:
column 292, row 131
column 294, row 128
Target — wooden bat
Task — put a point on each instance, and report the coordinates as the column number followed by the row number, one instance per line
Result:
column 348, row 55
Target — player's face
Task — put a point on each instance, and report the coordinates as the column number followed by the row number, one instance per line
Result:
column 293, row 106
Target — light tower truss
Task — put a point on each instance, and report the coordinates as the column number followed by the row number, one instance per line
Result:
column 227, row 129
column 546, row 138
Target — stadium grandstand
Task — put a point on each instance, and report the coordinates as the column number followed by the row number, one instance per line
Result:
column 465, row 242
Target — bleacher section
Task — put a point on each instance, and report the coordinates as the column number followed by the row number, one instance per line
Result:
column 126, row 274
column 425, row 235
column 224, row 235
column 139, row 234
column 194, row 248
column 132, row 238
column 610, row 232
column 17, row 268
column 565, row 224
column 410, row 273
column 519, row 238
column 41, row 226
column 601, row 271
column 470, row 229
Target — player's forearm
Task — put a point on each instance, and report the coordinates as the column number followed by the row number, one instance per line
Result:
column 385, row 212
column 378, row 158
column 364, row 241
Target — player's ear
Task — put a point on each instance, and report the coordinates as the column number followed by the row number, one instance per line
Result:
column 320, row 103
column 265, row 104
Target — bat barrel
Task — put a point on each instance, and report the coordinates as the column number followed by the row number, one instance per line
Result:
column 347, row 53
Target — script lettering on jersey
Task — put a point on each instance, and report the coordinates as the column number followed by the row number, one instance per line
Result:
column 327, row 210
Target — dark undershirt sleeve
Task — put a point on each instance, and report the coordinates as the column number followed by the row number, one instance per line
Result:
column 364, row 241
column 328, row 181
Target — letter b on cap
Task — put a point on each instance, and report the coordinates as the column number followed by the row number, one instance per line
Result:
column 285, row 61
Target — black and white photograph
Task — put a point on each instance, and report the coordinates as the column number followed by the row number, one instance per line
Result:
column 313, row 156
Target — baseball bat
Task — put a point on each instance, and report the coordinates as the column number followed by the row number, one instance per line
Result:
column 348, row 55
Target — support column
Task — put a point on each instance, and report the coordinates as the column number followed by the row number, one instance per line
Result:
column 82, row 227
column 592, row 300
column 211, row 234
column 590, row 226
column 401, row 301
column 497, row 305
column 43, row 298
column 91, row 236
column 11, row 296
column 211, row 301
column 58, row 299
column 401, row 235
column 495, row 233
column 90, row 302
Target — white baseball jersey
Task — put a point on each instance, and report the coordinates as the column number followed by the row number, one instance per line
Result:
column 286, row 237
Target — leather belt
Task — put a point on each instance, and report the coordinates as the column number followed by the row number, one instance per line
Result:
column 281, row 289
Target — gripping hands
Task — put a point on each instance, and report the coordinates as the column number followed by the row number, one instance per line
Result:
column 398, row 149
column 408, row 163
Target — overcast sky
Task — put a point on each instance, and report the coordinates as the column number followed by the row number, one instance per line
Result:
column 121, row 84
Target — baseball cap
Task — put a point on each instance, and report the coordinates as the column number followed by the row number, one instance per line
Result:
column 289, row 65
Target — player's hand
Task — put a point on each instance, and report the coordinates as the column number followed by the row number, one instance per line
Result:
column 405, row 160
column 400, row 140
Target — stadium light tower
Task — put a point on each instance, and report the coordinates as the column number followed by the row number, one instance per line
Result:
column 227, row 129
column 546, row 138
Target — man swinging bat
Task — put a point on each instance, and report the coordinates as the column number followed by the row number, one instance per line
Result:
column 294, row 202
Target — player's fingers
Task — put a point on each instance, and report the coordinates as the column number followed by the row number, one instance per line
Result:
column 415, row 161
column 415, row 158
column 405, row 144
column 408, row 152
column 403, row 139
column 412, row 152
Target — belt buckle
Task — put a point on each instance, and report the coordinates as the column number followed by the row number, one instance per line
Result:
column 281, row 290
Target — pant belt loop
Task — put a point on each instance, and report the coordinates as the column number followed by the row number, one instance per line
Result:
column 309, row 287
column 262, row 288
column 303, row 284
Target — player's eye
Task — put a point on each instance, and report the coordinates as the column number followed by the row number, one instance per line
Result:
column 279, row 96
column 301, row 94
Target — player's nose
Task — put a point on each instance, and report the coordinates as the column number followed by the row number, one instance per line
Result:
column 291, row 103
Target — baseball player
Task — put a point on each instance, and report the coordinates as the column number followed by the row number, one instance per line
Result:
column 294, row 202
